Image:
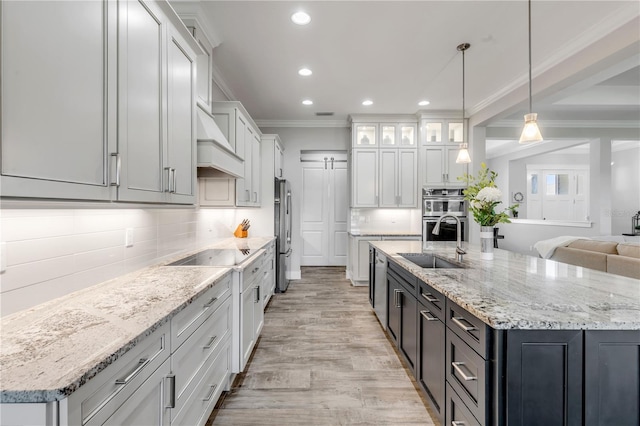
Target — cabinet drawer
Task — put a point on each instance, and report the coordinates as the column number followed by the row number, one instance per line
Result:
column 214, row 380
column 433, row 300
column 457, row 413
column 190, row 318
column 252, row 273
column 470, row 329
column 198, row 349
column 467, row 373
column 114, row 385
column 406, row 278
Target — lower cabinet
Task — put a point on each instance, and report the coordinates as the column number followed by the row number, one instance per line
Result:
column 472, row 374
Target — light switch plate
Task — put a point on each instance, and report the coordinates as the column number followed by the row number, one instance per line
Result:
column 128, row 237
column 3, row 257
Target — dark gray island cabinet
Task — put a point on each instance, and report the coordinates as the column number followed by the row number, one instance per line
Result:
column 474, row 374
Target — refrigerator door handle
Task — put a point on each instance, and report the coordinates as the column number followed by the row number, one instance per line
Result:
column 288, row 253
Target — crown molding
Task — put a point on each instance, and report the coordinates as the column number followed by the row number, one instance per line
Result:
column 302, row 123
column 591, row 124
column 596, row 32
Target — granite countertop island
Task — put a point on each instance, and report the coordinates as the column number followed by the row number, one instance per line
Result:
column 516, row 291
column 50, row 350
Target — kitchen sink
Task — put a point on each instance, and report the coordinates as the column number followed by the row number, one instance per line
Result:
column 424, row 260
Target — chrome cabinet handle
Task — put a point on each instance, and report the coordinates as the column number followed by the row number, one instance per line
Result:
column 427, row 315
column 141, row 364
column 255, row 196
column 248, row 195
column 280, row 172
column 210, row 302
column 168, row 187
column 212, row 390
column 325, row 162
column 257, row 293
column 208, row 345
column 460, row 324
column 172, row 390
column 398, row 300
column 332, row 159
column 457, row 423
column 457, row 367
column 173, row 171
column 118, row 168
column 430, row 297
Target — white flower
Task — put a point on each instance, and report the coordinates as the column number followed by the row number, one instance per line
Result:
column 489, row 194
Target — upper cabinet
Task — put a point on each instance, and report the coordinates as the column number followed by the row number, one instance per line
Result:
column 384, row 163
column 115, row 118
column 205, row 63
column 440, row 142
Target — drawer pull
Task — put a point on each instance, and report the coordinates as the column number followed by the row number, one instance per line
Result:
column 457, row 367
column 211, row 302
column 212, row 390
column 427, row 315
column 255, row 269
column 430, row 298
column 208, row 345
column 457, row 423
column 172, row 390
column 459, row 323
column 396, row 294
column 141, row 364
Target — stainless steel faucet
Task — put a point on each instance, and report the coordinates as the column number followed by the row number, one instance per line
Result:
column 436, row 231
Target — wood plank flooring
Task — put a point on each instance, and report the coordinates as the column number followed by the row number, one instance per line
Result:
column 322, row 359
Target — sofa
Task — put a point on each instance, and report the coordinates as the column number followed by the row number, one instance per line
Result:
column 607, row 256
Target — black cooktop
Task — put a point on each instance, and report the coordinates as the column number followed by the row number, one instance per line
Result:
column 214, row 257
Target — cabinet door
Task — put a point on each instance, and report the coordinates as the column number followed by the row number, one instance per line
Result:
column 247, row 337
column 433, row 171
column 409, row 329
column 256, row 170
column 216, row 192
column 362, row 269
column 388, row 177
column 407, row 178
column 243, row 186
column 365, row 135
column 364, row 170
column 181, row 141
column 279, row 161
column 612, row 377
column 431, row 358
column 58, row 103
column 544, row 377
column 258, row 307
column 140, row 107
column 148, row 405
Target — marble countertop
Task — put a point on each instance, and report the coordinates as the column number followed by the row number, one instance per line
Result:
column 40, row 359
column 516, row 291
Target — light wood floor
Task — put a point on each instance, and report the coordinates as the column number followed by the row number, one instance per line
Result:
column 322, row 359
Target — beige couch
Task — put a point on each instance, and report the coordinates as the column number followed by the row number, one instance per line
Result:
column 607, row 256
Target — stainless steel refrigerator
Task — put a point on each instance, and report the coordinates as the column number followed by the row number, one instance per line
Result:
column 282, row 233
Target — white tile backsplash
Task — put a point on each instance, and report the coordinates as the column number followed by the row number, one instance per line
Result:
column 53, row 252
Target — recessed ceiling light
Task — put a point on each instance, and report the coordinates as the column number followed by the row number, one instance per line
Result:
column 367, row 102
column 305, row 72
column 301, row 18
column 307, row 102
column 423, row 103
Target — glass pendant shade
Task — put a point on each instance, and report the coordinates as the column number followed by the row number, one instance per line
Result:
column 463, row 155
column 531, row 132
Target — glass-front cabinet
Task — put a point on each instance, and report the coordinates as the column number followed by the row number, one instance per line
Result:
column 398, row 135
column 440, row 139
column 365, row 135
column 443, row 131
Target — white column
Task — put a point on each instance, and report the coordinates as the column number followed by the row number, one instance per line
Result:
column 600, row 204
column 477, row 151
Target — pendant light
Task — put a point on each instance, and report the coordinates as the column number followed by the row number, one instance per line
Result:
column 463, row 153
column 530, row 133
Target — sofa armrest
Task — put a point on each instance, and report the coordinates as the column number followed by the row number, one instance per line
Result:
column 585, row 258
column 623, row 265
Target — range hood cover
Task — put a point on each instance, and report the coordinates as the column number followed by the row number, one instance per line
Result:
column 214, row 150
column 208, row 130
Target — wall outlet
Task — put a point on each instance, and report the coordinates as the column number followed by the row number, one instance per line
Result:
column 128, row 237
column 3, row 257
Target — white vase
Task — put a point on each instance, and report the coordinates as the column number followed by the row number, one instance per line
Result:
column 486, row 242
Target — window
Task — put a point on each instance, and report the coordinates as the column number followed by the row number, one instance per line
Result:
column 561, row 194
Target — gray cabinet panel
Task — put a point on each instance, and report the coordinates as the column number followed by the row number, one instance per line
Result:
column 56, row 100
column 431, row 358
column 612, row 377
column 544, row 377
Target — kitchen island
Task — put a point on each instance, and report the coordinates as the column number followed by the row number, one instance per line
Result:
column 516, row 340
column 79, row 358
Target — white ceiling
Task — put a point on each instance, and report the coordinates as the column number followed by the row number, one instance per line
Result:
column 397, row 53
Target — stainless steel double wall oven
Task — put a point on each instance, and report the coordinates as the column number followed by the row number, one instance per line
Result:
column 437, row 202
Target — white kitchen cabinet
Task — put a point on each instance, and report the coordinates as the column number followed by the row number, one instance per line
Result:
column 217, row 192
column 59, row 98
column 398, row 183
column 440, row 168
column 359, row 259
column 439, row 131
column 119, row 117
column 205, row 63
column 384, row 163
column 278, row 159
column 244, row 137
column 156, row 125
column 269, row 282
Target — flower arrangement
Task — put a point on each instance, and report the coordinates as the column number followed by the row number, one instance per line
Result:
column 484, row 196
